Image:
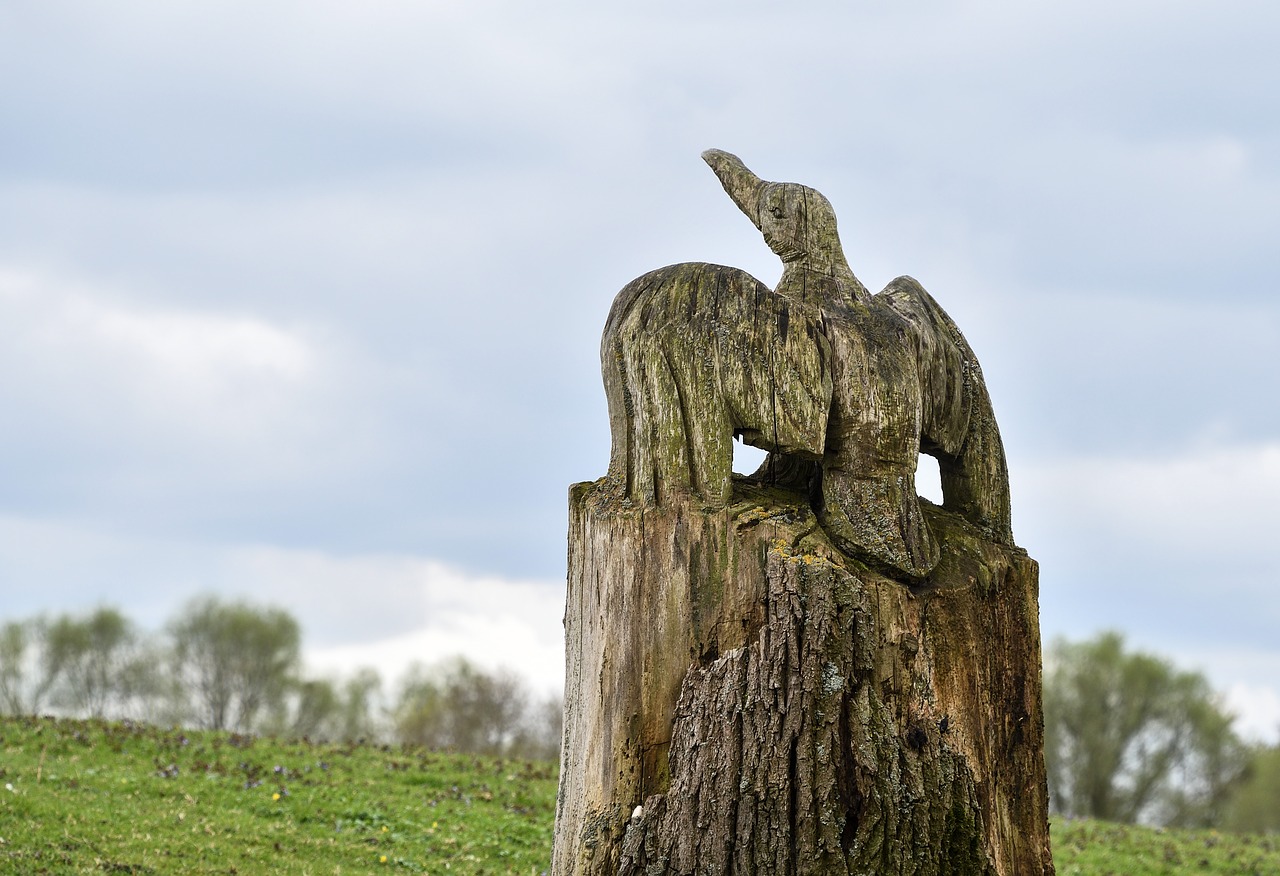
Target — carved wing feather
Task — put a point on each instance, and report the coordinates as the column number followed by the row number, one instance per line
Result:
column 958, row 425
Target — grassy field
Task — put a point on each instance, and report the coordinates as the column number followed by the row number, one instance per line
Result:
column 1095, row 848
column 95, row 797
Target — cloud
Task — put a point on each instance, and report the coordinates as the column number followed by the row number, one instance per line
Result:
column 388, row 611
column 495, row 641
column 379, row 609
column 1245, row 678
column 351, row 599
column 207, row 358
column 1257, row 710
column 1173, row 549
column 209, row 374
column 301, row 293
column 157, row 419
column 100, row 372
column 1109, row 372
column 1214, row 502
column 205, row 353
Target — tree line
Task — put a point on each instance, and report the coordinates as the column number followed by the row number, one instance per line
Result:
column 237, row 666
column 1131, row 738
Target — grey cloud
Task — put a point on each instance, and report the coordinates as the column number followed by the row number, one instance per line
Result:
column 445, row 197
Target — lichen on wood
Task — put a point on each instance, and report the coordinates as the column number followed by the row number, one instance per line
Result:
column 809, row 670
column 844, row 386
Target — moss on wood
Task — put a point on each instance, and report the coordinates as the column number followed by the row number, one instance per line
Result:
column 810, row 670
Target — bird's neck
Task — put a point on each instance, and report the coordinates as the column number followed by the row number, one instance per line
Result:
column 820, row 277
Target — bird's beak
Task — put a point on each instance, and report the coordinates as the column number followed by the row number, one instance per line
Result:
column 741, row 184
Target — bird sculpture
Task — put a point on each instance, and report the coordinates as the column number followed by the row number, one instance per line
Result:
column 845, row 389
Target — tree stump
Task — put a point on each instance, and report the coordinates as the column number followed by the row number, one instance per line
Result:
column 810, row 670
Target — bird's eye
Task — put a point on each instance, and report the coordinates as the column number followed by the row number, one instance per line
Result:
column 775, row 212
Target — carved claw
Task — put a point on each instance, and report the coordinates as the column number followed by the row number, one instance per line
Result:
column 878, row 517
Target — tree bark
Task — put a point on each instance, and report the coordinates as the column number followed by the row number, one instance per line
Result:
column 742, row 697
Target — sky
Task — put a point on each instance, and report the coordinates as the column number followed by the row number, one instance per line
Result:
column 301, row 302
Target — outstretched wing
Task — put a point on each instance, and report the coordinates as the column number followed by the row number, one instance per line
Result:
column 958, row 425
column 943, row 358
column 693, row 353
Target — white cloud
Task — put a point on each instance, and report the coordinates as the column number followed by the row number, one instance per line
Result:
column 380, row 239
column 1257, row 710
column 1175, row 549
column 366, row 609
column 391, row 610
column 357, row 598
column 1247, row 679
column 201, row 372
column 1215, row 501
column 202, row 351
column 493, row 642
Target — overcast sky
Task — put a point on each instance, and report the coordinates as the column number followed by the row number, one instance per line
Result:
column 301, row 302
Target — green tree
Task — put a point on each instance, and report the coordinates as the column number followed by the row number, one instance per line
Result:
column 541, row 731
column 31, row 673
column 1255, row 806
column 358, row 718
column 1128, row 736
column 95, row 662
column 14, row 639
column 309, row 709
column 235, row 658
column 461, row 707
column 419, row 711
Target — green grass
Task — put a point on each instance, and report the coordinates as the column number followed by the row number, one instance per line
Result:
column 98, row 797
column 1096, row 848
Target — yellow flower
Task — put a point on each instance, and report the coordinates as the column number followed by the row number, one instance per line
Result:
column 384, row 828
column 382, row 860
column 275, row 796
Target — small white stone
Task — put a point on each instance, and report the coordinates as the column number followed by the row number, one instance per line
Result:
column 637, row 813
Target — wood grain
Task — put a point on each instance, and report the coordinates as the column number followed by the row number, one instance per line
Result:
column 811, row 669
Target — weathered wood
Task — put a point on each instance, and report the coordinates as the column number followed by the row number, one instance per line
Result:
column 775, row 707
column 816, row 370
column 811, row 670
column 694, row 354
